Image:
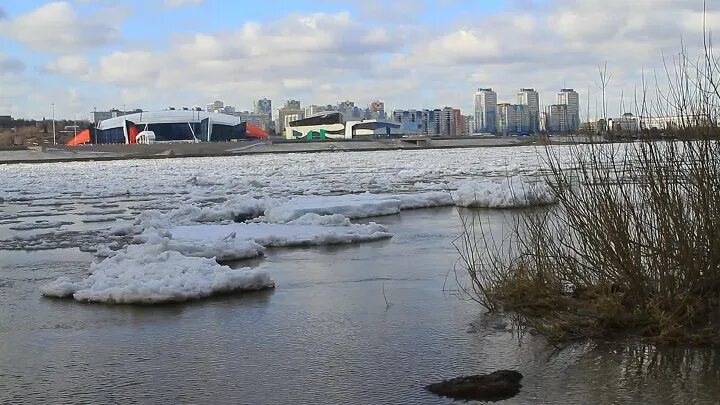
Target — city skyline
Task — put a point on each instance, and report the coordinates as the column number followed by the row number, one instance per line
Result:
column 87, row 54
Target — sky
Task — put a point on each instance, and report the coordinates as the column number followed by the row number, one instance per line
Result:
column 154, row 54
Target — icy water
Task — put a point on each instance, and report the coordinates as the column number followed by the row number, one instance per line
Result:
column 364, row 323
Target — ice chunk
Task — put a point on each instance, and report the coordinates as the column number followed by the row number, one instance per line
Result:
column 224, row 250
column 151, row 273
column 286, row 234
column 354, row 205
column 503, row 194
column 238, row 209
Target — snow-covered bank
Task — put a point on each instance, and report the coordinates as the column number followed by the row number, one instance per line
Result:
column 504, row 193
column 153, row 273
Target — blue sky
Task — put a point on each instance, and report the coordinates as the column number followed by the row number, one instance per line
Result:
column 87, row 54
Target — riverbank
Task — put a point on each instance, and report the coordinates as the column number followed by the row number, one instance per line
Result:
column 62, row 153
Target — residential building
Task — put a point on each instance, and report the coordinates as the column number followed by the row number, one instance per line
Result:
column 377, row 110
column 571, row 99
column 485, row 111
column 215, row 106
column 513, row 119
column 531, row 100
column 261, row 120
column 434, row 122
column 291, row 111
column 557, row 118
column 447, row 122
column 317, row 109
column 263, row 106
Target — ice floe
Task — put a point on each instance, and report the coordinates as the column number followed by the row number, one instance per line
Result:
column 297, row 234
column 152, row 273
column 232, row 210
column 354, row 205
column 505, row 193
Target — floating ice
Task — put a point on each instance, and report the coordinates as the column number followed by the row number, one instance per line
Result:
column 232, row 210
column 151, row 273
column 354, row 205
column 27, row 226
column 309, row 230
column 507, row 193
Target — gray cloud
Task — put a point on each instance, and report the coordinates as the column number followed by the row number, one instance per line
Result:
column 11, row 65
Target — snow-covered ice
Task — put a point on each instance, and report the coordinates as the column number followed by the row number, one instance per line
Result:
column 307, row 231
column 354, row 205
column 151, row 273
column 505, row 193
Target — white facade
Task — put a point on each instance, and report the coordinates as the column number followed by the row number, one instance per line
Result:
column 531, row 100
column 485, row 111
column 215, row 106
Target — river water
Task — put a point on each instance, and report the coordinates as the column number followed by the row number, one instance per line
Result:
column 364, row 323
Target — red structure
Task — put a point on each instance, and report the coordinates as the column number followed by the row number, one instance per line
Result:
column 80, row 139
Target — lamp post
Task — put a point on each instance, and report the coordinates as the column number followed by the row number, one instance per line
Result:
column 53, row 121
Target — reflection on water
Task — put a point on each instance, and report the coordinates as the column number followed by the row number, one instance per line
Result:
column 325, row 335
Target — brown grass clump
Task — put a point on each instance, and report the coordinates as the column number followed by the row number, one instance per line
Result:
column 632, row 249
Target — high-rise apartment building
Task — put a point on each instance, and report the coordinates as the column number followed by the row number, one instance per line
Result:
column 377, row 110
column 485, row 111
column 263, row 106
column 513, row 118
column 557, row 118
column 447, row 122
column 571, row 99
column 531, row 100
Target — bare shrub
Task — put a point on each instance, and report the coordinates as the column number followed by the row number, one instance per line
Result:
column 633, row 246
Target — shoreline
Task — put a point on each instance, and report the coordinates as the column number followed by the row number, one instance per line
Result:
column 100, row 153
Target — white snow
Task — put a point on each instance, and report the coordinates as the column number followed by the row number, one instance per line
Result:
column 353, row 205
column 506, row 193
column 309, row 230
column 238, row 208
column 151, row 273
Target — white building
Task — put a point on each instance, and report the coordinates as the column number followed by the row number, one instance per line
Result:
column 485, row 111
column 531, row 99
column 571, row 99
column 215, row 106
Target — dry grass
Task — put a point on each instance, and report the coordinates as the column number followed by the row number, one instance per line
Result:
column 633, row 246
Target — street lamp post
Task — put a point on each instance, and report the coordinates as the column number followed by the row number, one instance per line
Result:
column 53, row 121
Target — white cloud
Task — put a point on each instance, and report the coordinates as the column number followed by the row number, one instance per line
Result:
column 324, row 57
column 73, row 65
column 58, row 28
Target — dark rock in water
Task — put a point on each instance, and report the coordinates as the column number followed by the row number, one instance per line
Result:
column 496, row 386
